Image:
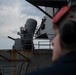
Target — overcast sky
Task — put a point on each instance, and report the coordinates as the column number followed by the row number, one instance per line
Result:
column 13, row 15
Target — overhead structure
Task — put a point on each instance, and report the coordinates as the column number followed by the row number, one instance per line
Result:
column 49, row 3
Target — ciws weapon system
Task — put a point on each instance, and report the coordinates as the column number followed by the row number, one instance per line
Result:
column 25, row 42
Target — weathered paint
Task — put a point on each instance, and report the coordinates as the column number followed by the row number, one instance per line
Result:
column 19, row 61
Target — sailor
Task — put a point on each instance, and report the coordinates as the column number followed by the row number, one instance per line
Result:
column 64, row 44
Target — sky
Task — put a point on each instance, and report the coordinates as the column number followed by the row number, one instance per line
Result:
column 13, row 15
